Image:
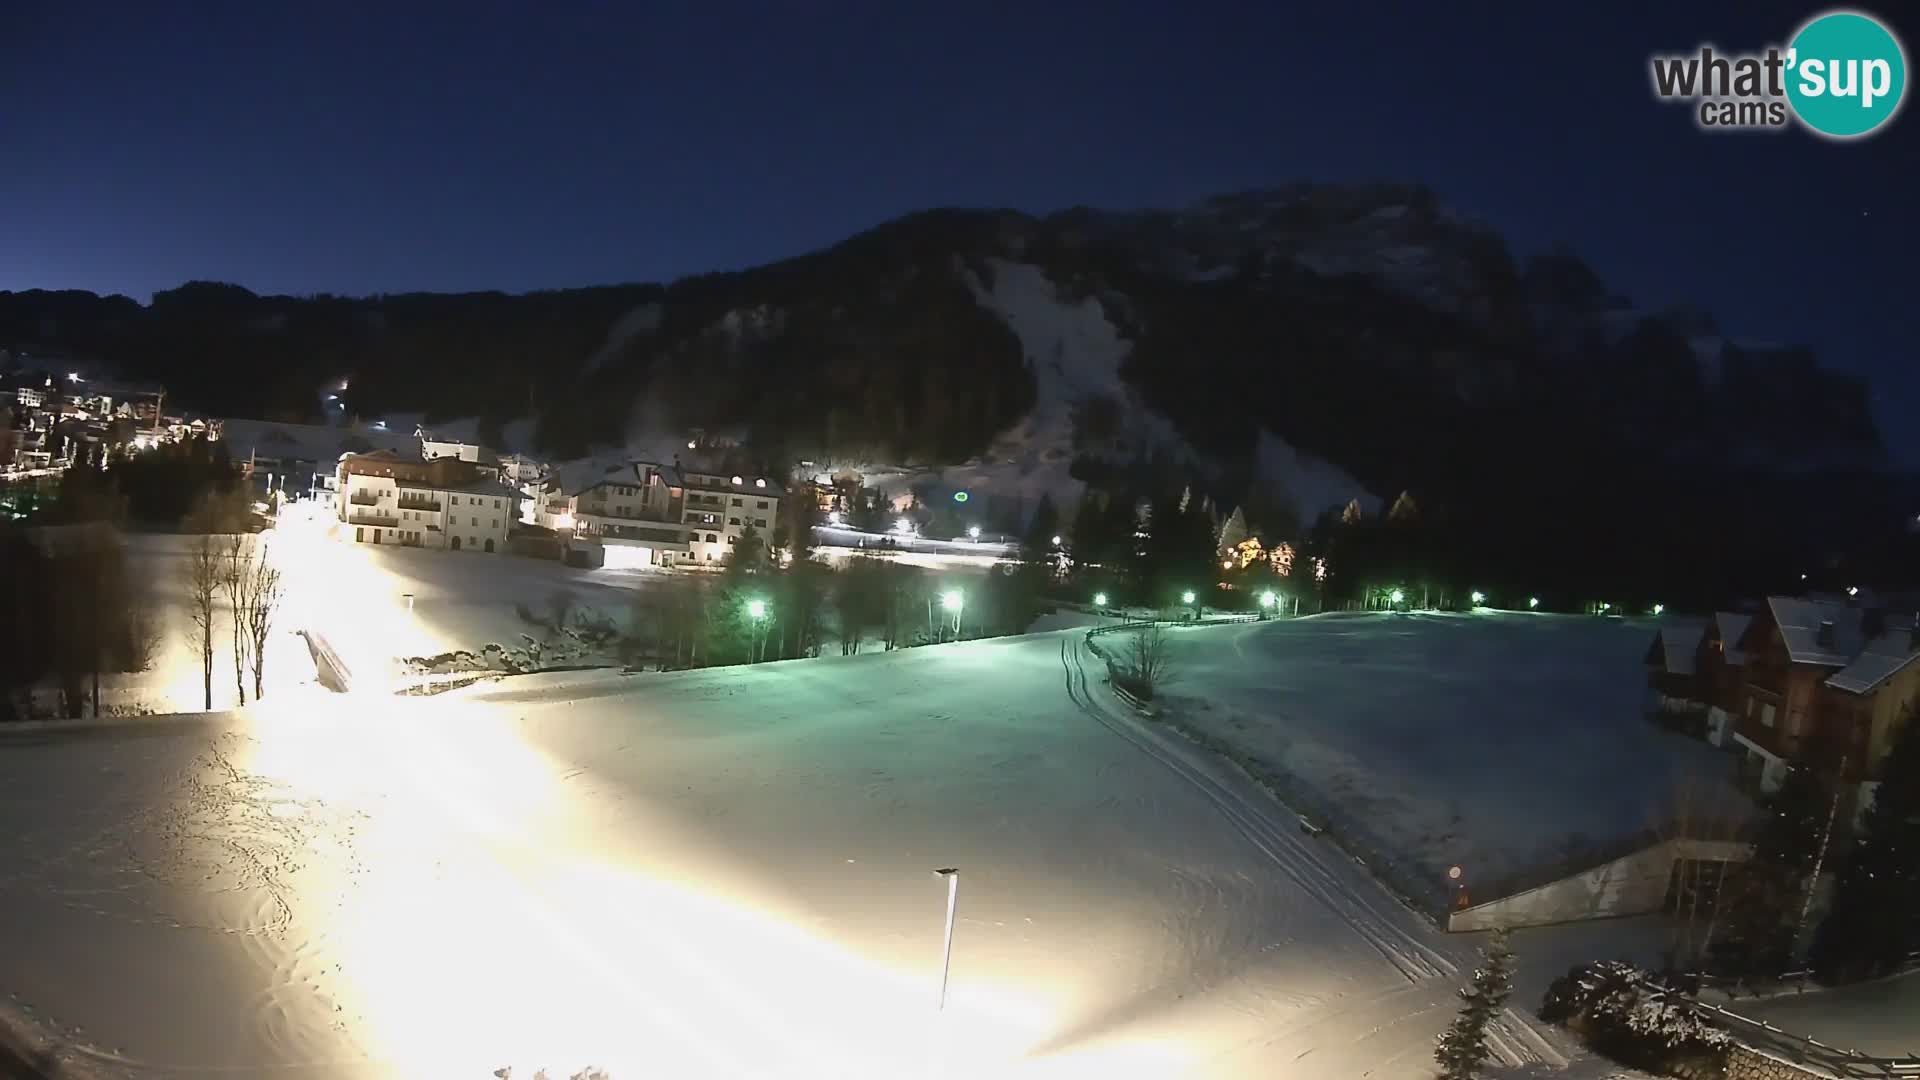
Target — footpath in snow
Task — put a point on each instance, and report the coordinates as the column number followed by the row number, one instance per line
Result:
column 719, row 873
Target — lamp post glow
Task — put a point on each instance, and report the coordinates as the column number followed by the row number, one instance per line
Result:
column 952, row 874
column 1479, row 597
column 954, row 600
column 757, row 611
column 1395, row 597
column 1533, row 602
column 1187, row 597
column 1100, row 599
column 1267, row 602
column 1659, row 609
column 973, row 532
column 1056, row 540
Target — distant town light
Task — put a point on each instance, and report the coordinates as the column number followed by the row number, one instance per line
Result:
column 1659, row 609
column 1396, row 596
column 1853, row 590
column 973, row 531
column 1479, row 597
column 74, row 376
column 756, row 608
column 1803, row 577
column 1267, row 599
column 1187, row 597
column 1099, row 599
column 690, row 444
column 1056, row 539
column 1604, row 605
column 952, row 600
column 1226, row 564
column 1533, row 601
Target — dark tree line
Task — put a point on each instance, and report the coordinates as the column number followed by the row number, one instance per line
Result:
column 70, row 611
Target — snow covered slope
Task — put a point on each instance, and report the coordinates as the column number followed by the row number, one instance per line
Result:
column 721, row 873
column 1498, row 742
column 1075, row 353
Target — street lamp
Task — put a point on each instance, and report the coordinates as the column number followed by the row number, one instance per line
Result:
column 1056, row 539
column 1533, row 602
column 1396, row 596
column 1659, row 609
column 973, row 532
column 1100, row 599
column 952, row 874
column 757, row 611
column 953, row 600
column 1267, row 602
column 1479, row 597
column 1187, row 597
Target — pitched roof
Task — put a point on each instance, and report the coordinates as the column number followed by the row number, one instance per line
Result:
column 1866, row 655
column 1800, row 622
column 311, row 442
column 584, row 474
column 1731, row 625
column 1882, row 657
column 1677, row 646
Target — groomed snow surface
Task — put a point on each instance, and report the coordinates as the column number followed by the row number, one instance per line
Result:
column 1495, row 741
column 722, row 873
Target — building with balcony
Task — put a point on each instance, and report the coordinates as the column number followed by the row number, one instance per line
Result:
column 1825, row 684
column 385, row 497
column 626, row 512
column 643, row 513
column 719, row 508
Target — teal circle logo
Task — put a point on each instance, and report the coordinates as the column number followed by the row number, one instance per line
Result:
column 1846, row 74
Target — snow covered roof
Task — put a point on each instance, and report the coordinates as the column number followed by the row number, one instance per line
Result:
column 485, row 486
column 1731, row 625
column 1866, row 654
column 764, row 486
column 1676, row 645
column 311, row 442
column 1879, row 661
column 1800, row 623
column 584, row 474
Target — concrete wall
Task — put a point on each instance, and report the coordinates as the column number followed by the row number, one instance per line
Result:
column 1746, row 1063
column 1634, row 884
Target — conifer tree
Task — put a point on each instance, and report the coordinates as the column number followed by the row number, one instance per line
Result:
column 1462, row 1048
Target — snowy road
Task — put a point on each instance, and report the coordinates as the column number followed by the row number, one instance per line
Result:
column 712, row 873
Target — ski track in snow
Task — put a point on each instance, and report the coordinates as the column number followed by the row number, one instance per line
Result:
column 268, row 858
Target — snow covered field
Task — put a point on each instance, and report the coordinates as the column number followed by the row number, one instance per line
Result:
column 1492, row 741
column 715, row 873
column 1878, row 1018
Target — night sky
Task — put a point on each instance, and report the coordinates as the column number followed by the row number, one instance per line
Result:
column 522, row 146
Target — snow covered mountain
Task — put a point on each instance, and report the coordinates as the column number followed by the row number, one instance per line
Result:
column 1297, row 347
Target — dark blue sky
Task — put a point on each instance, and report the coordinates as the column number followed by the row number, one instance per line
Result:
column 351, row 148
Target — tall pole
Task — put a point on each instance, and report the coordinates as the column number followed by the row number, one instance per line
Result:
column 952, row 874
column 1820, row 858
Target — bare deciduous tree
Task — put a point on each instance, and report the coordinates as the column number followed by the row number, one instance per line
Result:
column 260, row 596
column 203, row 589
column 1149, row 658
column 236, row 569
